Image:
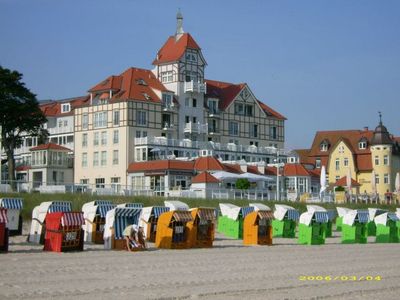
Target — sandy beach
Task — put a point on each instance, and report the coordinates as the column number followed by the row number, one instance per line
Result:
column 227, row 271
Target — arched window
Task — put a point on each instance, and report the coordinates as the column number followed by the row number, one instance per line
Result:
column 324, row 146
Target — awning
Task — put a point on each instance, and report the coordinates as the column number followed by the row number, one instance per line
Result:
column 321, row 217
column 254, row 177
column 182, row 216
column 11, row 203
column 103, row 209
column 127, row 212
column 134, row 205
column 102, row 202
column 206, row 214
column 223, row 175
column 72, row 219
column 158, row 210
column 246, row 210
column 3, row 216
column 264, row 214
column 293, row 214
column 60, row 206
column 362, row 217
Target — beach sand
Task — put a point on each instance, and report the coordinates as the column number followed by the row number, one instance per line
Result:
column 227, row 271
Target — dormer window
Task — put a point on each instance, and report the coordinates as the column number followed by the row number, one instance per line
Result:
column 362, row 144
column 324, row 146
column 65, row 107
column 146, row 96
column 167, row 100
column 141, row 82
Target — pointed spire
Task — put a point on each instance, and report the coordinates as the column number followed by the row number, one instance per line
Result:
column 179, row 25
column 380, row 118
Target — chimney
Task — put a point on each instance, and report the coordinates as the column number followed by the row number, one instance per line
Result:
column 365, row 128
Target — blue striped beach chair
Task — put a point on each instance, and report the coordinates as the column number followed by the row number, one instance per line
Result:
column 14, row 207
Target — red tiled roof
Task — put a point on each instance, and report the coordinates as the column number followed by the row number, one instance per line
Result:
column 160, row 165
column 270, row 171
column 50, row 146
column 53, row 108
column 254, row 170
column 226, row 92
column 208, row 163
column 270, row 112
column 295, row 170
column 343, row 182
column 173, row 49
column 232, row 168
column 204, row 177
column 132, row 84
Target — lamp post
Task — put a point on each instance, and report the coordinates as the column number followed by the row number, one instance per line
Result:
column 277, row 165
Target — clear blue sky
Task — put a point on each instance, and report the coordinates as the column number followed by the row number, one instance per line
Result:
column 325, row 65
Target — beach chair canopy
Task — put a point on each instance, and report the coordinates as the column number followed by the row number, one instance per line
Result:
column 69, row 219
column 226, row 208
column 206, row 214
column 260, row 206
column 342, row 211
column 132, row 205
column 385, row 217
column 123, row 216
column 12, row 203
column 3, row 215
column 59, row 206
column 373, row 212
column 152, row 211
column 182, row 216
column 265, row 214
column 331, row 214
column 176, row 205
column 360, row 216
column 102, row 202
column 282, row 211
column 312, row 208
column 103, row 209
column 318, row 216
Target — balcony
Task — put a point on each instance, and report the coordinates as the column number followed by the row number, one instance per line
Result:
column 214, row 113
column 60, row 130
column 168, row 126
column 170, row 107
column 195, row 87
column 213, row 131
column 196, row 128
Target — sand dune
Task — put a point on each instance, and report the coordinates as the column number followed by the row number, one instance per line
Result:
column 227, row 271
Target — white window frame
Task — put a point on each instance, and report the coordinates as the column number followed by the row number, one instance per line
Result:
column 85, row 121
column 116, row 117
column 103, row 158
column 100, row 119
column 116, row 137
column 141, row 118
column 104, row 138
column 95, row 159
column 96, row 139
column 84, row 140
column 84, row 160
column 233, row 128
column 115, row 157
column 65, row 107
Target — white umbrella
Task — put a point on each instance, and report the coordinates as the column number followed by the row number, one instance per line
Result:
column 254, row 177
column 373, row 182
column 348, row 180
column 322, row 181
column 397, row 182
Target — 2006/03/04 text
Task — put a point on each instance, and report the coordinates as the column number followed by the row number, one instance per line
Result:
column 340, row 278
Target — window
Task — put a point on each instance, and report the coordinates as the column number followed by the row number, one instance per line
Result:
column 84, row 160
column 104, row 138
column 84, row 140
column 239, row 109
column 318, row 163
column 253, row 130
column 213, row 106
column 60, row 123
column 85, row 121
column 115, row 157
column 194, row 101
column 100, row 183
column 103, row 158
column 187, row 101
column 100, row 119
column 362, row 145
column 167, row 100
column 386, row 160
column 324, row 146
column 346, row 162
column 386, row 178
column 116, row 136
column 273, row 133
column 66, row 107
column 167, row 76
column 341, row 149
column 65, row 123
column 248, row 110
column 116, row 117
column 337, row 164
column 96, row 139
column 95, row 159
column 187, row 119
column 84, row 181
column 116, row 184
column 377, row 178
column 141, row 118
column 233, row 128
column 194, row 120
column 377, row 160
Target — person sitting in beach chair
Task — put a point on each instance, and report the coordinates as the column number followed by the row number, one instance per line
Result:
column 131, row 237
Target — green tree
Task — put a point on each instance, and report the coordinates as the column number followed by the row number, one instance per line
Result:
column 242, row 184
column 20, row 115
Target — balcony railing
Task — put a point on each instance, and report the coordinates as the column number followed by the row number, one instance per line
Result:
column 196, row 87
column 195, row 128
column 167, row 126
column 213, row 113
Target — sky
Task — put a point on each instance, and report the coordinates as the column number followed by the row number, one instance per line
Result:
column 325, row 65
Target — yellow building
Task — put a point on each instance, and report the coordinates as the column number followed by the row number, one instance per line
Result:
column 366, row 155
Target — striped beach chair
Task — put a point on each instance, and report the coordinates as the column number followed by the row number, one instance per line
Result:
column 230, row 223
column 3, row 230
column 387, row 228
column 39, row 213
column 201, row 228
column 95, row 217
column 285, row 221
column 354, row 227
column 14, row 207
column 257, row 227
column 312, row 227
column 64, row 231
column 117, row 220
column 131, row 205
column 148, row 220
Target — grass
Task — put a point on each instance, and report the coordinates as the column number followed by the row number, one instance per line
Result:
column 34, row 199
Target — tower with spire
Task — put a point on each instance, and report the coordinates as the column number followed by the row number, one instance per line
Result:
column 180, row 65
